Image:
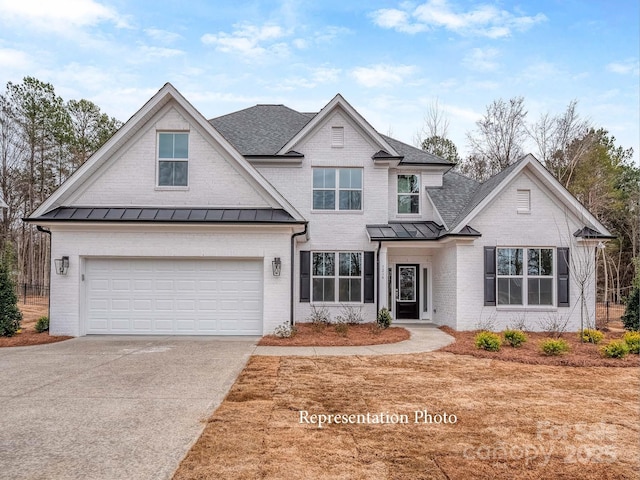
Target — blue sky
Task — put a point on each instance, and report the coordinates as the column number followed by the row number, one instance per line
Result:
column 389, row 59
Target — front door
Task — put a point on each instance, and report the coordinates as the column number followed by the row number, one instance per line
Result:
column 407, row 292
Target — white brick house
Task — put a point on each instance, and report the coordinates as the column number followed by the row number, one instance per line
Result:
column 233, row 226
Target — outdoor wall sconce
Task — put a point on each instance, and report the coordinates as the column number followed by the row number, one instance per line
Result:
column 62, row 265
column 276, row 265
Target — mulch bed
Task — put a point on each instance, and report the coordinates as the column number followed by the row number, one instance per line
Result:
column 28, row 336
column 579, row 355
column 309, row 335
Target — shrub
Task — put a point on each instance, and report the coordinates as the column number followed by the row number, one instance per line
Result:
column 632, row 339
column 518, row 323
column 591, row 335
column 350, row 315
column 319, row 316
column 515, row 337
column 10, row 315
column 285, row 331
column 384, row 318
column 342, row 327
column 488, row 341
column 42, row 325
column 631, row 316
column 615, row 349
column 554, row 346
column 487, row 324
column 554, row 324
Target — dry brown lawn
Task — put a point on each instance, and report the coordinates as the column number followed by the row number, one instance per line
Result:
column 28, row 335
column 513, row 421
column 308, row 334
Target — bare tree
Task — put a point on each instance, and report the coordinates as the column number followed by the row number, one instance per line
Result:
column 499, row 137
column 554, row 135
column 432, row 137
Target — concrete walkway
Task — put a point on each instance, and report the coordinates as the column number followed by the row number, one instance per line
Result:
column 424, row 338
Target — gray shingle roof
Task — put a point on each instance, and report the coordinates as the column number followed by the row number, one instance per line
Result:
column 167, row 215
column 459, row 195
column 413, row 155
column 262, row 129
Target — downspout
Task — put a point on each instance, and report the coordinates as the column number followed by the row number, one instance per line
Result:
column 378, row 282
column 48, row 232
column 293, row 280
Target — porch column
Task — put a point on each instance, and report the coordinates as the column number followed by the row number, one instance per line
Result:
column 382, row 278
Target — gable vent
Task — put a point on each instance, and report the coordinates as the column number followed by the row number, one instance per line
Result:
column 524, row 201
column 337, row 136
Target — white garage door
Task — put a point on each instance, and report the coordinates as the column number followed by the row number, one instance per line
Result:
column 178, row 297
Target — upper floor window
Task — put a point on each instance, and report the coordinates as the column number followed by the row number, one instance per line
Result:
column 173, row 155
column 337, row 189
column 408, row 194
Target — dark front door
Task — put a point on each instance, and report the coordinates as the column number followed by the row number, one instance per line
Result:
column 407, row 292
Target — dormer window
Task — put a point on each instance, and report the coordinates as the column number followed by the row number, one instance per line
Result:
column 173, row 159
column 408, row 194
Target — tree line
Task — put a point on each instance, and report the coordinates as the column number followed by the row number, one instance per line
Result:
column 43, row 140
column 584, row 158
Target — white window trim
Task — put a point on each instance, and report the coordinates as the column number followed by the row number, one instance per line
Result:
column 337, row 190
column 525, row 277
column 158, row 160
column 337, row 277
column 418, row 194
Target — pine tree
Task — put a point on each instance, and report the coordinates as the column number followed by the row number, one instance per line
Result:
column 10, row 315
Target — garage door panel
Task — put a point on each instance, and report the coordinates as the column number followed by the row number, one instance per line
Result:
column 153, row 296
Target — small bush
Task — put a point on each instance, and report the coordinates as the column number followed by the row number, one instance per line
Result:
column 632, row 339
column 384, row 318
column 554, row 346
column 350, row 315
column 518, row 323
column 591, row 335
column 488, row 341
column 554, row 324
column 42, row 325
column 285, row 331
column 515, row 337
column 615, row 349
column 319, row 316
column 342, row 327
column 487, row 324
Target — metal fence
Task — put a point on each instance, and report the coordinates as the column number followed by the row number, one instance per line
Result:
column 32, row 294
column 611, row 309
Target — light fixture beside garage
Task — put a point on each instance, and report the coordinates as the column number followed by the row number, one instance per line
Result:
column 62, row 265
column 277, row 266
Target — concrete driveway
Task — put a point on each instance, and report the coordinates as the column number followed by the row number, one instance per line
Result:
column 111, row 407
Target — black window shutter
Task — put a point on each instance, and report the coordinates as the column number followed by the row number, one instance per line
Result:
column 305, row 276
column 369, row 277
column 563, row 277
column 490, row 276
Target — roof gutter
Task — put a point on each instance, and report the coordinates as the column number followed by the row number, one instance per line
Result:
column 293, row 256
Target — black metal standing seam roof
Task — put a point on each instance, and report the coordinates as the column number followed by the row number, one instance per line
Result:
column 587, row 232
column 167, row 215
column 398, row 231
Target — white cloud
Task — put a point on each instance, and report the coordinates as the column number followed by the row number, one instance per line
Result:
column 483, row 20
column 162, row 36
column 628, row 66
column 397, row 20
column 11, row 59
column 249, row 40
column 159, row 52
column 59, row 15
column 382, row 75
column 483, row 60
